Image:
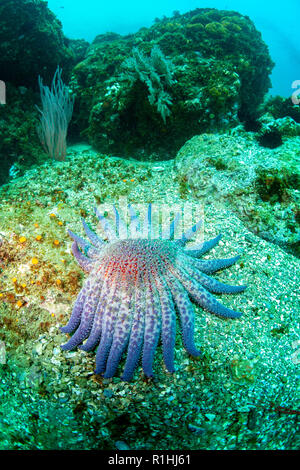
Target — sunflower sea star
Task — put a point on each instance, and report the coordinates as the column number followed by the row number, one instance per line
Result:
column 135, row 286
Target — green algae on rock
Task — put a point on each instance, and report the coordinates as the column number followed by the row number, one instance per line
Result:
column 31, row 42
column 259, row 184
column 221, row 74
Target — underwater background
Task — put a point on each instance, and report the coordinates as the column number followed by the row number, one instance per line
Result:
column 131, row 137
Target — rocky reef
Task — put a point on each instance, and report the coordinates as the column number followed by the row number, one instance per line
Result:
column 32, row 43
column 259, row 184
column 219, row 73
column 19, row 146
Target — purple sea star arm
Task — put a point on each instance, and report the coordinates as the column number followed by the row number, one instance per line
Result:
column 152, row 326
column 136, row 334
column 209, row 283
column 85, row 263
column 168, row 322
column 110, row 233
column 86, row 247
column 95, row 333
column 211, row 266
column 187, row 315
column 203, row 297
column 202, row 248
column 186, row 236
column 74, row 321
column 109, row 317
column 121, row 334
column 96, row 241
column 87, row 315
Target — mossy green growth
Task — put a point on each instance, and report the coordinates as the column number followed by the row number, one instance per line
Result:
column 19, row 144
column 31, row 42
column 216, row 29
column 280, row 107
column 273, row 184
column 221, row 75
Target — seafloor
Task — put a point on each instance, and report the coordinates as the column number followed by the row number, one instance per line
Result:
column 242, row 394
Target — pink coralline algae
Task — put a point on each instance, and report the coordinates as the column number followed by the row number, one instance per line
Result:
column 136, row 288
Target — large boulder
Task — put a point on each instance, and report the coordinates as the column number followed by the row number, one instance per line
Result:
column 260, row 185
column 219, row 73
column 19, row 144
column 32, row 42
